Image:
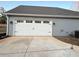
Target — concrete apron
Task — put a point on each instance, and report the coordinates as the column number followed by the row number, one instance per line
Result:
column 35, row 46
column 47, row 43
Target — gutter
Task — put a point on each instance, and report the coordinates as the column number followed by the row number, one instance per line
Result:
column 41, row 15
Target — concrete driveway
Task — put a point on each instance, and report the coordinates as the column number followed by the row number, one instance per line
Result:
column 36, row 47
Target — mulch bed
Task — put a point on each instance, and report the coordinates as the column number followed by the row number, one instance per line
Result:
column 71, row 40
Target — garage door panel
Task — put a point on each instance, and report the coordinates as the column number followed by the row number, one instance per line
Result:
column 33, row 29
column 43, row 29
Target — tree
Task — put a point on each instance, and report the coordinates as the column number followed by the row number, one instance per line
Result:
column 3, row 19
column 2, row 16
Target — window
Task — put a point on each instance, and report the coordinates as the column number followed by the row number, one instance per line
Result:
column 28, row 21
column 45, row 21
column 19, row 21
column 37, row 21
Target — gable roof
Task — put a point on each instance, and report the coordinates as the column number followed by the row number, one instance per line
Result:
column 42, row 11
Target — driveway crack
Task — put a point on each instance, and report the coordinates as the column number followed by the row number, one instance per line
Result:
column 27, row 47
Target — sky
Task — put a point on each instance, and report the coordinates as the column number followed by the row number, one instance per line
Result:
column 7, row 5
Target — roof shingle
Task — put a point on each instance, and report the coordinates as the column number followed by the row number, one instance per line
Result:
column 42, row 10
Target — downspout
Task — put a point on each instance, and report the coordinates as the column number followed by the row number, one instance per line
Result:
column 7, row 32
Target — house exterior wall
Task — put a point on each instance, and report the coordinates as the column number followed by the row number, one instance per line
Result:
column 10, row 26
column 62, row 27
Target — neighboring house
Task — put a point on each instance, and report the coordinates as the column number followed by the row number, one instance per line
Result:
column 2, row 10
column 41, row 21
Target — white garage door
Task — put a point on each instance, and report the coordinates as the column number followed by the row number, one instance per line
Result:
column 33, row 28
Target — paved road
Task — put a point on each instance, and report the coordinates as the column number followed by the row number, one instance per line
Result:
column 36, row 47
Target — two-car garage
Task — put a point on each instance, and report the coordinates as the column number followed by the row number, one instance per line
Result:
column 41, row 26
column 32, row 27
column 41, row 21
